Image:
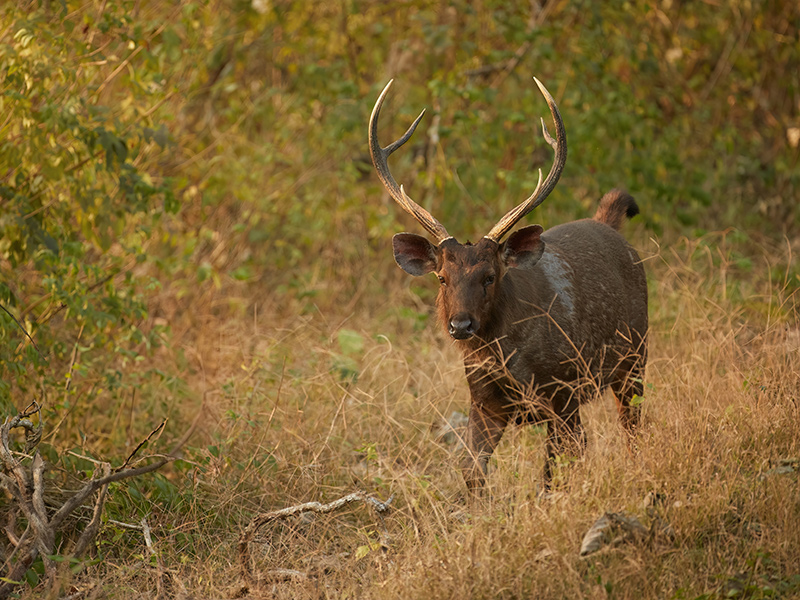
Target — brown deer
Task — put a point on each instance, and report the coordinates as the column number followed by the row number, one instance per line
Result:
column 545, row 321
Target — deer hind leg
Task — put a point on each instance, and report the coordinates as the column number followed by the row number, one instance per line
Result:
column 484, row 430
column 625, row 390
column 565, row 436
column 626, row 385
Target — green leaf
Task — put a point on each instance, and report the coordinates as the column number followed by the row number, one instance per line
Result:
column 242, row 273
column 350, row 342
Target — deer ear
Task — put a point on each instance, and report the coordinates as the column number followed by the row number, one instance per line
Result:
column 524, row 248
column 414, row 254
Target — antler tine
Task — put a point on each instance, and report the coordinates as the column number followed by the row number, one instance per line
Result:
column 542, row 190
column 379, row 160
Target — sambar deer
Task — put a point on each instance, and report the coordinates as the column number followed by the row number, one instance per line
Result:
column 545, row 320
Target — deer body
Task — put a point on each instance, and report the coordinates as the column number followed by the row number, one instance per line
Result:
column 545, row 321
column 563, row 331
column 577, row 301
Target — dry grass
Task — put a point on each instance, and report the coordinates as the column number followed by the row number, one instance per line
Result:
column 301, row 411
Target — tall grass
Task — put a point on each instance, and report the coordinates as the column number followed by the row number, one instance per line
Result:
column 313, row 406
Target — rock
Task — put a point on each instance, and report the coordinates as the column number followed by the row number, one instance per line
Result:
column 784, row 467
column 612, row 529
column 452, row 431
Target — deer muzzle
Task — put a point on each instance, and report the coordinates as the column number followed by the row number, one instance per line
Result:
column 462, row 326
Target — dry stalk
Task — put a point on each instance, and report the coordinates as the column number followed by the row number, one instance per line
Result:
column 270, row 517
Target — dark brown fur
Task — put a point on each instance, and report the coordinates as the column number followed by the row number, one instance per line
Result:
column 545, row 323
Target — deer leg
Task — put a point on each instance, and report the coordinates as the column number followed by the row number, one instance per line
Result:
column 626, row 387
column 565, row 436
column 484, row 430
column 626, row 383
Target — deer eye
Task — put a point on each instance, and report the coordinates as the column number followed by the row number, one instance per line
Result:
column 488, row 281
column 442, row 281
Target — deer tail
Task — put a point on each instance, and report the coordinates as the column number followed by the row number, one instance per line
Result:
column 614, row 207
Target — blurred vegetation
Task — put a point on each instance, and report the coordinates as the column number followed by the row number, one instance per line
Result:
column 149, row 144
column 168, row 164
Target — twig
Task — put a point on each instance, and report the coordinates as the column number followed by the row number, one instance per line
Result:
column 142, row 443
column 148, row 539
column 92, row 32
column 330, row 429
column 137, row 527
column 142, row 526
column 30, row 410
column 189, row 432
column 118, row 70
column 733, row 46
column 148, row 542
column 25, row 331
column 20, row 544
column 263, row 519
column 72, row 362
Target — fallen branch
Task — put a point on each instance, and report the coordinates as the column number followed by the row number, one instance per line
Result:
column 265, row 518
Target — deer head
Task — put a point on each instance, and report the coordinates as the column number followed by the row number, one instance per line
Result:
column 471, row 276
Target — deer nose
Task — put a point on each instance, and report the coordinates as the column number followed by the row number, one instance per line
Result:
column 462, row 327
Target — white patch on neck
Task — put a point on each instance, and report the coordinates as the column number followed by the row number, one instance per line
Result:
column 556, row 272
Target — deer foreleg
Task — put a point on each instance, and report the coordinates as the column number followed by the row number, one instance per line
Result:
column 565, row 436
column 484, row 430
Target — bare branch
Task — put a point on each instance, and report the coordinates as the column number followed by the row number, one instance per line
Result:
column 316, row 507
column 125, row 525
column 94, row 525
column 148, row 539
column 95, row 484
column 11, row 464
column 30, row 410
column 25, row 482
column 38, row 487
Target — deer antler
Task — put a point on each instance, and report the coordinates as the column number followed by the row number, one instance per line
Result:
column 379, row 157
column 542, row 190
